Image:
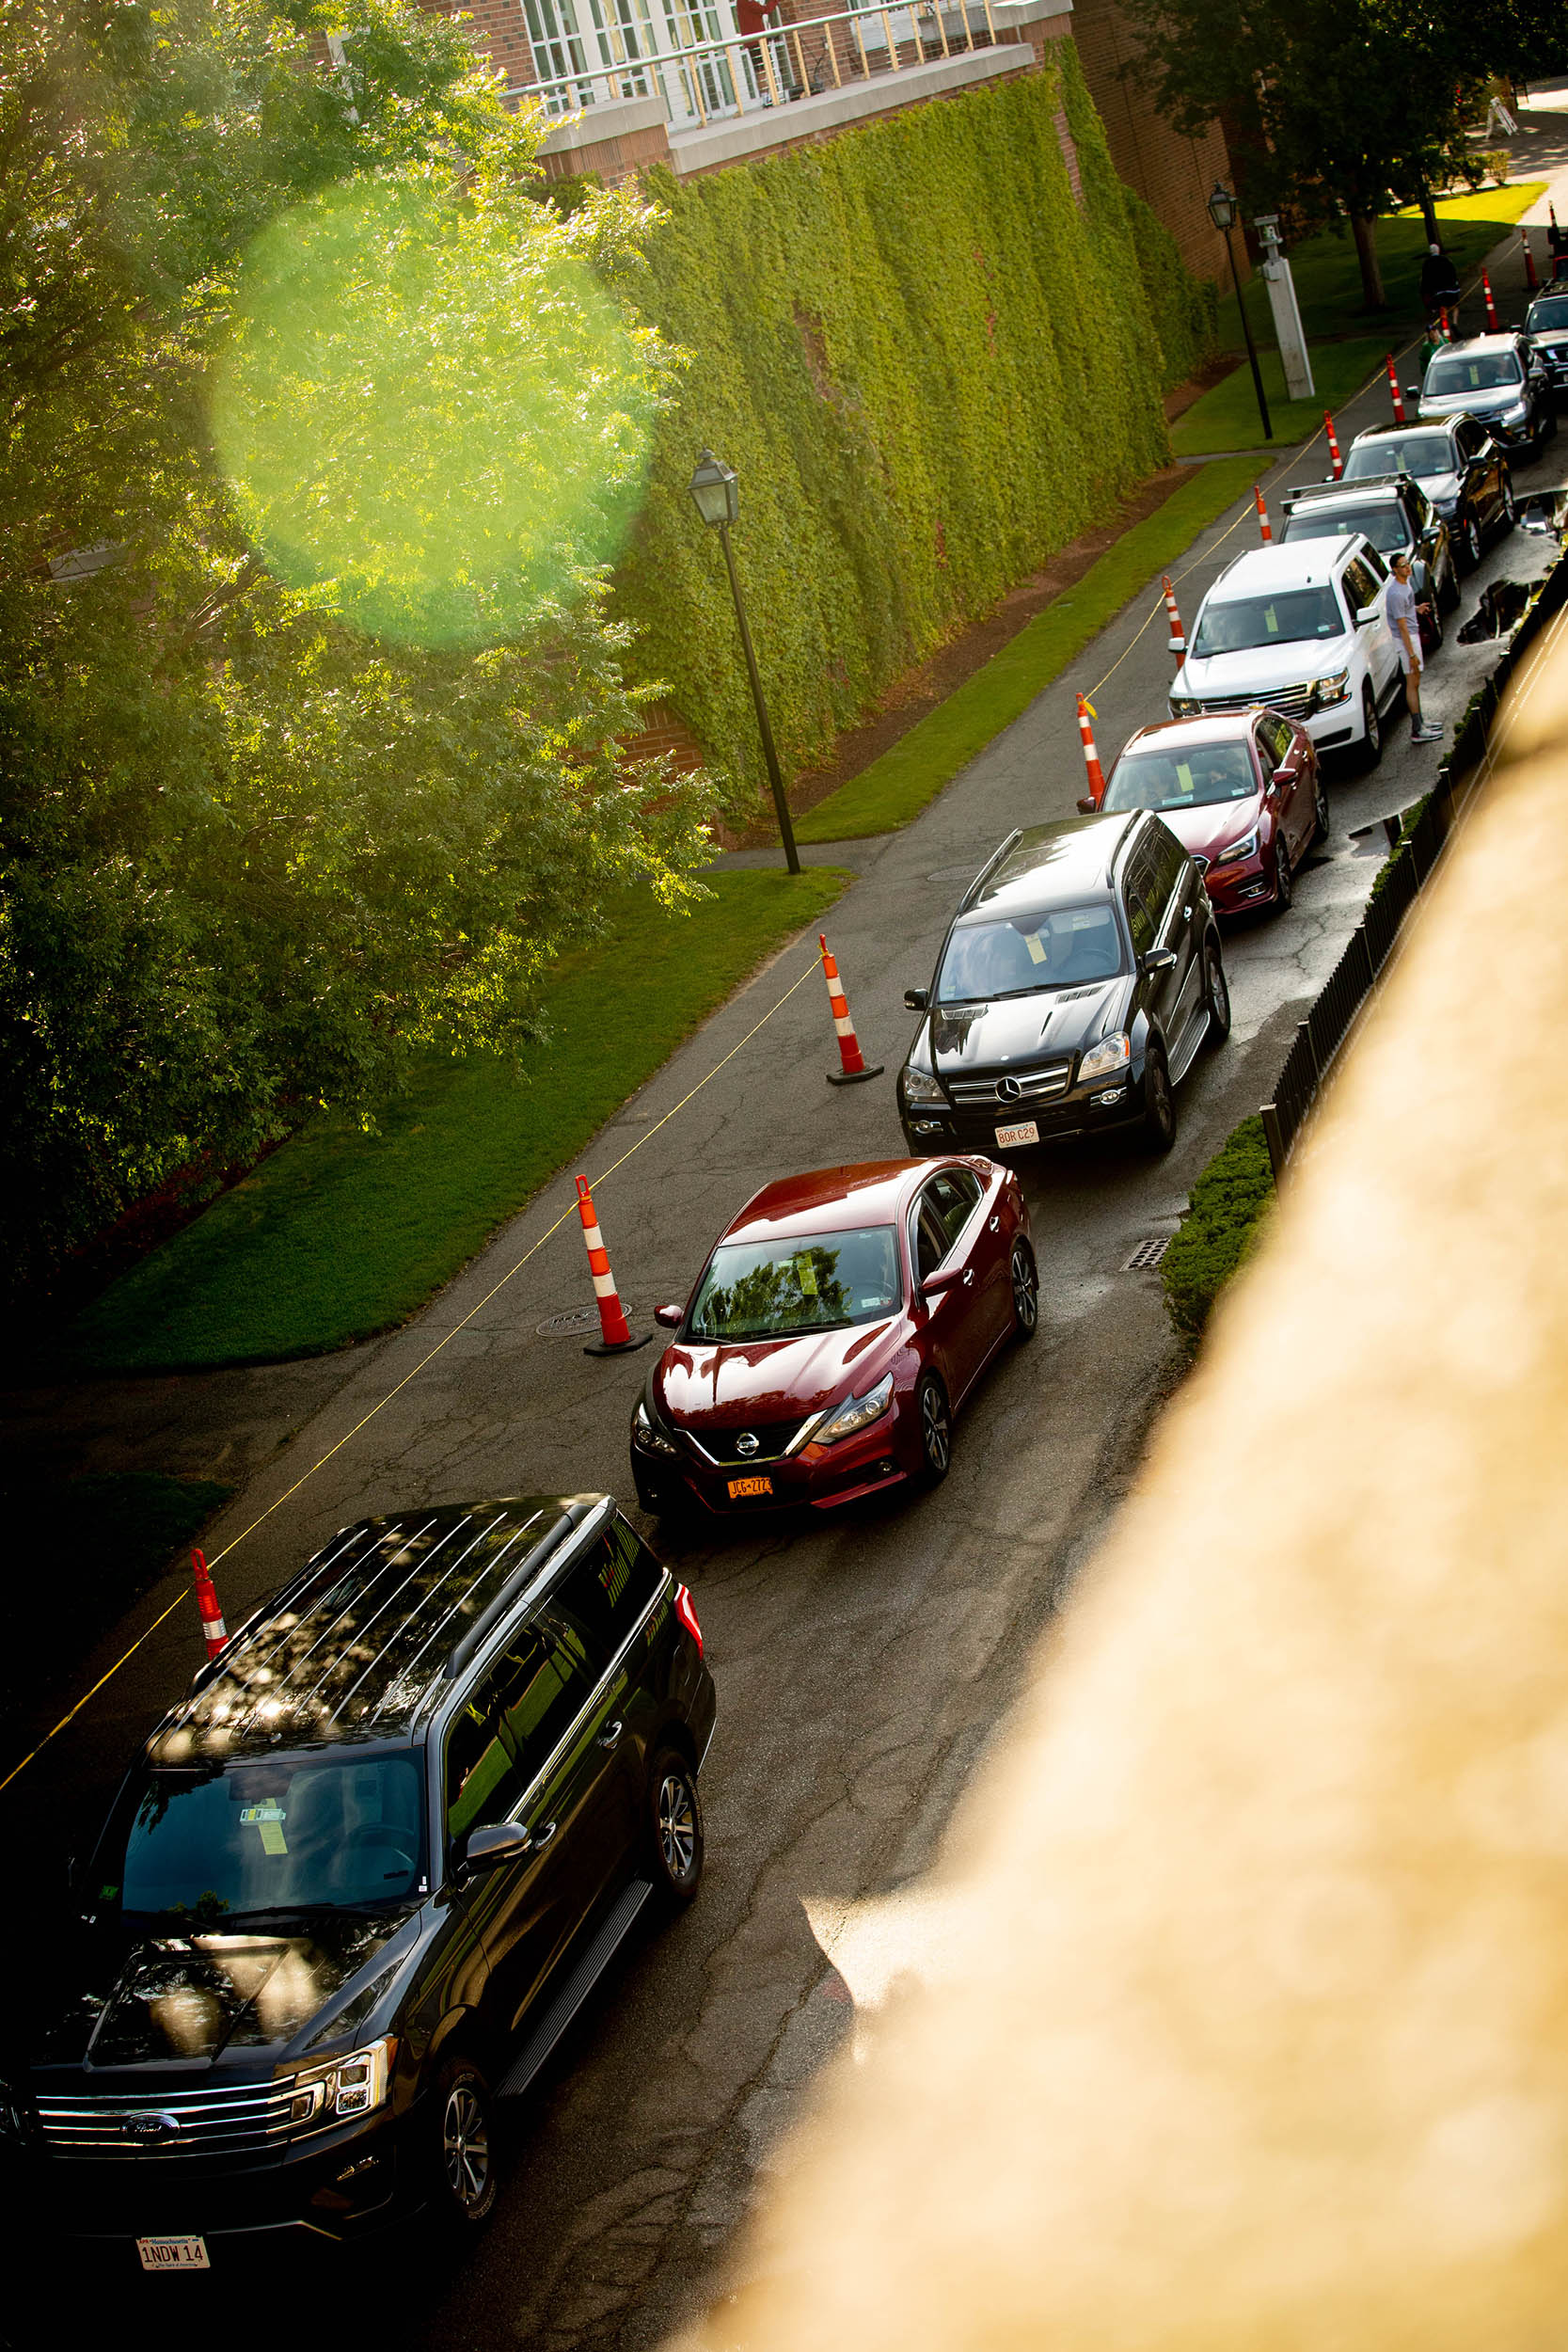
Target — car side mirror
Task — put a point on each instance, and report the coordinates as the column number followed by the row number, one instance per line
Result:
column 945, row 1278
column 492, row 1844
column 1283, row 775
column 1157, row 960
column 1413, row 391
column 1088, row 807
column 670, row 1318
column 917, row 1000
column 1368, row 614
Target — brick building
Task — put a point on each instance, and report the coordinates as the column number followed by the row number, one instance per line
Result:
column 1173, row 175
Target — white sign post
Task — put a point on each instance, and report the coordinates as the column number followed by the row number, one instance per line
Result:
column 1287, row 315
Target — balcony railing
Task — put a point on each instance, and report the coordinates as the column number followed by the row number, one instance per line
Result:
column 713, row 80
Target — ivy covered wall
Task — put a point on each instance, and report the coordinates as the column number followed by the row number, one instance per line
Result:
column 930, row 367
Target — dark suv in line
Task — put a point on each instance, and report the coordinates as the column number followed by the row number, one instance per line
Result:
column 359, row 1882
column 1076, row 982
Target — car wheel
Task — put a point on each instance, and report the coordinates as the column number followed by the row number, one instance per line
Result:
column 1284, row 875
column 934, row 1417
column 1372, row 725
column 1216, row 992
column 1159, row 1104
column 465, row 2169
column 1026, row 1292
column 676, row 1841
column 1469, row 543
column 1510, row 510
column 1320, row 818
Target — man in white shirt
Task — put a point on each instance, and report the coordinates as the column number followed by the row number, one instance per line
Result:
column 1405, row 623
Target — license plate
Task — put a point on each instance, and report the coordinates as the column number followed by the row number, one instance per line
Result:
column 1026, row 1130
column 741, row 1489
column 173, row 2253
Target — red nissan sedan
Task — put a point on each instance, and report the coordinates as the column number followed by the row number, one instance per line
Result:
column 838, row 1327
column 1241, row 790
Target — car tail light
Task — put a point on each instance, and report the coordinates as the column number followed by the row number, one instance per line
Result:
column 688, row 1615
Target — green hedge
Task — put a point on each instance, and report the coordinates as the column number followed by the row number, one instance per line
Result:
column 1229, row 1201
column 930, row 366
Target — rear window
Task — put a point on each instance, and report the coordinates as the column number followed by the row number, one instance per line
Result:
column 1244, row 624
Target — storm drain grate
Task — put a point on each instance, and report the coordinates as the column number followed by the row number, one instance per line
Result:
column 1147, row 1253
column 571, row 1325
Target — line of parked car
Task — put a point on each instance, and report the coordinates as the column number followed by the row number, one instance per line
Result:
column 360, row 1878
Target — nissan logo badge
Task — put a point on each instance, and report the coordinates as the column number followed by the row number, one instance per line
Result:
column 747, row 1442
column 1009, row 1088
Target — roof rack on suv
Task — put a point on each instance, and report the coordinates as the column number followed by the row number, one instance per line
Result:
column 510, row 1593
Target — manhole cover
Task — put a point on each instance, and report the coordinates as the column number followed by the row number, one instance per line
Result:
column 571, row 1324
column 1147, row 1253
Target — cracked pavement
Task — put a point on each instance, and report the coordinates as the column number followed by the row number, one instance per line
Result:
column 862, row 1663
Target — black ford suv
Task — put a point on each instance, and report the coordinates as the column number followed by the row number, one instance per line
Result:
column 1078, row 978
column 359, row 1882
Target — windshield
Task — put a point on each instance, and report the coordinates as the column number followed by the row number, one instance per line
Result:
column 1384, row 526
column 1062, row 950
column 298, row 1833
column 1472, row 372
column 765, row 1289
column 1421, row 454
column 1244, row 624
column 1202, row 774
column 1551, row 311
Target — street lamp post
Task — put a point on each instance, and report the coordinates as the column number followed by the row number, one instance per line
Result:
column 1222, row 212
column 718, row 500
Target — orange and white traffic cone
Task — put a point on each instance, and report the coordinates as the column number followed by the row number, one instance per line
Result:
column 855, row 1066
column 1262, row 515
column 1394, row 392
column 1493, row 321
column 1339, row 461
column 1178, row 634
column 213, row 1631
column 1091, row 757
column 1530, row 279
column 614, row 1338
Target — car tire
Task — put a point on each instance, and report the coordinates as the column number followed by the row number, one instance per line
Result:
column 1469, row 544
column 465, row 2164
column 1372, row 725
column 1216, row 992
column 1284, row 874
column 1158, row 1105
column 676, row 1841
column 1322, row 819
column 1025, row 1278
column 934, row 1423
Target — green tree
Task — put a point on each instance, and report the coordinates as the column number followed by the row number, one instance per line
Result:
column 1335, row 109
column 251, row 855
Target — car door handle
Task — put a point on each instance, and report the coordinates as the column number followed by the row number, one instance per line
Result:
column 542, row 1837
column 1186, row 915
column 968, row 1276
column 609, row 1735
column 996, row 1224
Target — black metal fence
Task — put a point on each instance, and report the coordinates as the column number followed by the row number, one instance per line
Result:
column 1318, row 1039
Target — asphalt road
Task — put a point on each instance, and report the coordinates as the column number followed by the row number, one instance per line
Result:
column 863, row 1663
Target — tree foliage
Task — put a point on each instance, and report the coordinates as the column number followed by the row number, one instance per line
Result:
column 251, row 857
column 1335, row 109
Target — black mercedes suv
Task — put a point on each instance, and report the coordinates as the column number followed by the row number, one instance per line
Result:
column 1076, row 982
column 360, row 1879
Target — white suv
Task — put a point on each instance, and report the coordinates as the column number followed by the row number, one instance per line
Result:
column 1302, row 628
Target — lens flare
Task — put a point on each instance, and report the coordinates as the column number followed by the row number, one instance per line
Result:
column 435, row 416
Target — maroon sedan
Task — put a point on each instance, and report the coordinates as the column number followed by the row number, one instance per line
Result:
column 1242, row 790
column 838, row 1325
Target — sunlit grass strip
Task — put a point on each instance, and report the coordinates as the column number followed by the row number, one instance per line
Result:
column 340, row 1236
column 898, row 785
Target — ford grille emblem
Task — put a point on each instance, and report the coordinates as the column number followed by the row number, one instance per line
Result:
column 1009, row 1088
column 151, row 2128
column 747, row 1442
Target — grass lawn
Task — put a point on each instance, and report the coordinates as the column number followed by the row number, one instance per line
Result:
column 341, row 1234
column 1328, row 288
column 1226, row 417
column 897, row 787
column 111, row 1538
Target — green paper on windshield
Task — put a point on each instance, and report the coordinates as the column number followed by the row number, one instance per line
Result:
column 1272, row 624
column 1036, row 945
column 807, row 1275
column 1184, row 775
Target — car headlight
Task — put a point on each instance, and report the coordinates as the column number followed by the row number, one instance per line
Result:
column 13, row 2118
column 856, row 1413
column 1245, row 847
column 1516, row 414
column 1184, row 707
column 919, row 1087
column 1112, row 1054
column 646, row 1433
column 355, row 2085
column 1335, row 689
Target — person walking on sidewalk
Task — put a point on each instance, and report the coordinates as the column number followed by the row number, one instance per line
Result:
column 1405, row 623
